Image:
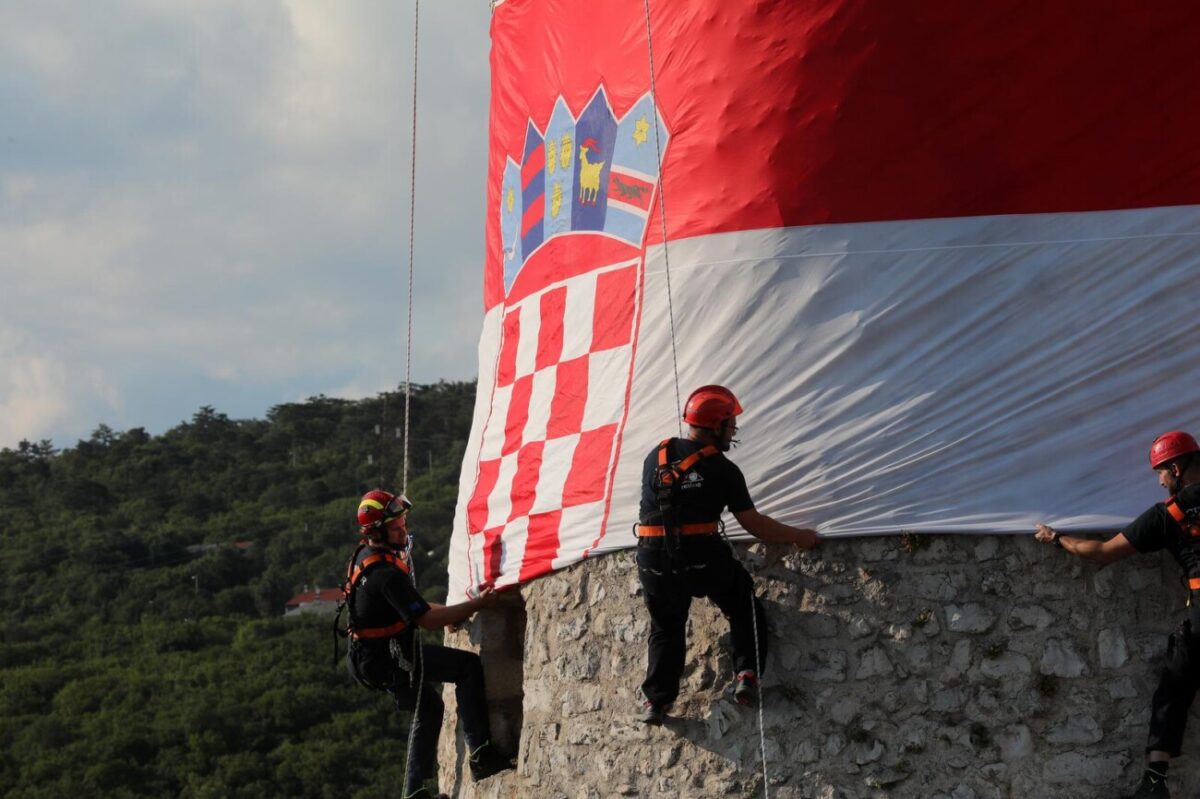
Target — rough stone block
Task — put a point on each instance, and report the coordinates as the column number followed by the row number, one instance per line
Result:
column 1112, row 651
column 818, row 625
column 1061, row 660
column 1008, row 664
column 873, row 663
column 1121, row 688
column 1029, row 617
column 1015, row 742
column 970, row 617
column 825, row 665
column 1075, row 729
column 987, row 549
column 1090, row 769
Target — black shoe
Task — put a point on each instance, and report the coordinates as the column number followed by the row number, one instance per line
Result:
column 745, row 688
column 1152, row 786
column 488, row 760
column 653, row 713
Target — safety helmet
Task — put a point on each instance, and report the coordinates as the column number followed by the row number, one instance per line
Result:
column 1170, row 446
column 708, row 406
column 378, row 507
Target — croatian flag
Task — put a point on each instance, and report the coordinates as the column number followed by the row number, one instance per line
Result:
column 944, row 260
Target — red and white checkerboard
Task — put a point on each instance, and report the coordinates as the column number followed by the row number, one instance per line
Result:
column 549, row 446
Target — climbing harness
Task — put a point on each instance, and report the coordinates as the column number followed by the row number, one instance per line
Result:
column 1188, row 520
column 356, row 569
column 668, row 480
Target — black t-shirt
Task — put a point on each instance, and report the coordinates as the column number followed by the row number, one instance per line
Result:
column 384, row 596
column 1155, row 529
column 713, row 484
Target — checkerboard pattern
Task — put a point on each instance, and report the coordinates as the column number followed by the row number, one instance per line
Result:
column 548, row 448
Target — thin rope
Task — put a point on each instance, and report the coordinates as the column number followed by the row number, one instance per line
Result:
column 762, row 729
column 418, row 650
column 412, row 237
column 662, row 209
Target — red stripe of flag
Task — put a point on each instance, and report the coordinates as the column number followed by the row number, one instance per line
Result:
column 524, row 486
column 570, row 397
column 541, row 545
column 506, row 369
column 518, row 414
column 589, row 467
column 533, row 216
column 534, row 164
column 612, row 321
column 550, row 331
column 477, row 507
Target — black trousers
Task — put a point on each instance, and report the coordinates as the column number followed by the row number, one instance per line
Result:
column 703, row 567
column 432, row 665
column 1176, row 686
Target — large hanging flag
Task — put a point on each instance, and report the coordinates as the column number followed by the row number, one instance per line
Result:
column 943, row 256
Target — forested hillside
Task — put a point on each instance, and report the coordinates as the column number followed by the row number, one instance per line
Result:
column 131, row 666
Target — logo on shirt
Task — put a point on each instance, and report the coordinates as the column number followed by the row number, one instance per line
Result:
column 693, row 480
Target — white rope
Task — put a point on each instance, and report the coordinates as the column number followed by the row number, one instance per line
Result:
column 662, row 206
column 418, row 652
column 412, row 237
column 662, row 215
column 762, row 729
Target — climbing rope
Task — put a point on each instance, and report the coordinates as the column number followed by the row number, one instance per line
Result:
column 662, row 216
column 418, row 660
column 662, row 207
column 412, row 237
column 762, row 729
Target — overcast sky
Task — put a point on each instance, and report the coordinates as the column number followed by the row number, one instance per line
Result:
column 206, row 202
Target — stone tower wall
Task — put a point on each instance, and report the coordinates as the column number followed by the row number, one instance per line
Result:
column 931, row 666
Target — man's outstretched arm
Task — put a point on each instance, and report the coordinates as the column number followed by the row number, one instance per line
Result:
column 1110, row 551
column 767, row 529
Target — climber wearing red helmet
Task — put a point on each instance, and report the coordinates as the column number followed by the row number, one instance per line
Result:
column 687, row 483
column 1173, row 525
column 385, row 654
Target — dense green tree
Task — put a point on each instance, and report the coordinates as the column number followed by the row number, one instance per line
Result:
column 143, row 650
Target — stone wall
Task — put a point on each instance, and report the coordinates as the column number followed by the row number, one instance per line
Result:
column 931, row 666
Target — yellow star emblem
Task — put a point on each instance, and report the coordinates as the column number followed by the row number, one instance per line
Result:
column 640, row 129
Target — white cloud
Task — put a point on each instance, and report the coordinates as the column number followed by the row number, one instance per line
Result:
column 42, row 393
column 218, row 191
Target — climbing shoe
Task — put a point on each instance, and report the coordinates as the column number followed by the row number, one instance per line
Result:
column 488, row 760
column 1152, row 786
column 653, row 713
column 745, row 688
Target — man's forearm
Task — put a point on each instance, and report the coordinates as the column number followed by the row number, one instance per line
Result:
column 1086, row 548
column 439, row 616
column 774, row 532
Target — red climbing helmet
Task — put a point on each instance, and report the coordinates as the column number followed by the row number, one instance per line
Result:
column 708, row 406
column 1170, row 446
column 377, row 508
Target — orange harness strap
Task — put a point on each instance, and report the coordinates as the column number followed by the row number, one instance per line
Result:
column 687, row 463
column 371, row 560
column 356, row 572
column 1179, row 515
column 378, row 632
column 658, row 531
